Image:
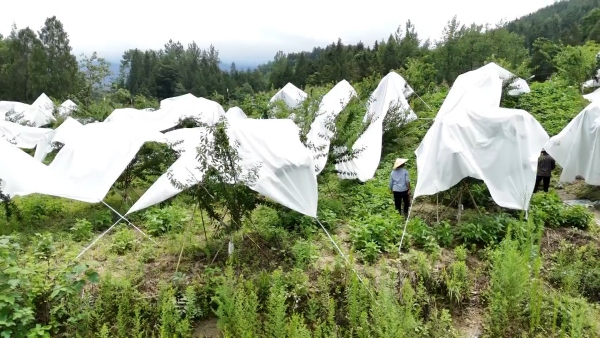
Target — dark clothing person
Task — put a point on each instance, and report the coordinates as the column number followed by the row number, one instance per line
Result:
column 544, row 171
column 399, row 198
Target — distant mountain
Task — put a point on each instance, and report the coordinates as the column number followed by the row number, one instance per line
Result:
column 241, row 65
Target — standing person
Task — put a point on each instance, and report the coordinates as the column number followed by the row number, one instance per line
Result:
column 544, row 170
column 400, row 186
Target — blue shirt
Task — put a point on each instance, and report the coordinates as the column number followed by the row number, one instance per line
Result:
column 399, row 180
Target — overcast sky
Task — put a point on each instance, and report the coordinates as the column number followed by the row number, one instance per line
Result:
column 245, row 30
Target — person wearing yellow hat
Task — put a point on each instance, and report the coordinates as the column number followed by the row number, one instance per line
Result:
column 400, row 186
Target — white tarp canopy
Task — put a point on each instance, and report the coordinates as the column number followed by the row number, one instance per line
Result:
column 319, row 136
column 291, row 95
column 185, row 170
column 473, row 137
column 22, row 175
column 22, row 136
column 286, row 172
column 518, row 85
column 30, row 114
column 68, row 130
column 593, row 96
column 172, row 110
column 390, row 93
column 95, row 155
column 67, row 108
column 44, row 104
column 235, row 113
column 577, row 147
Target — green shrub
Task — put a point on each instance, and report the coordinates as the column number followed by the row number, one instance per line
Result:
column 576, row 216
column 123, row 241
column 162, row 220
column 81, row 230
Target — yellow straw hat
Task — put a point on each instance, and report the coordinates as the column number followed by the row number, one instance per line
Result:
column 399, row 162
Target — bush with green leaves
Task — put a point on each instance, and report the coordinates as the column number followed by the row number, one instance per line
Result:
column 159, row 221
column 81, row 230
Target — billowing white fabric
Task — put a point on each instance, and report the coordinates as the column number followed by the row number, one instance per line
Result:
column 185, row 170
column 95, row 156
column 167, row 103
column 22, row 136
column 517, row 87
column 480, row 87
column 67, row 130
column 319, row 136
column 389, row 93
column 22, row 175
column 171, row 112
column 30, row 114
column 67, row 108
column 44, row 104
column 497, row 145
column 235, row 113
column 593, row 96
column 130, row 116
column 291, row 95
column 286, row 170
column 285, row 175
column 577, row 147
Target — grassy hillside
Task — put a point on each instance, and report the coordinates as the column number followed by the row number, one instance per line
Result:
column 491, row 273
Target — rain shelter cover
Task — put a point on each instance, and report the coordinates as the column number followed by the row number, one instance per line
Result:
column 291, row 95
column 30, row 114
column 171, row 112
column 67, row 130
column 66, row 108
column 185, row 170
column 390, row 93
column 21, row 174
column 44, row 104
column 577, row 147
column 96, row 155
column 235, row 113
column 593, row 96
column 285, row 168
column 472, row 137
column 518, row 85
column 319, row 136
column 22, row 136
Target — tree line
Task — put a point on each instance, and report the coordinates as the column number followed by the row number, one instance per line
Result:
column 559, row 38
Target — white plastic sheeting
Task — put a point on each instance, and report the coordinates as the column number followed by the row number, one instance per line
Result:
column 68, row 130
column 67, row 108
column 393, row 90
column 185, row 170
column 472, row 137
column 517, row 87
column 30, row 114
column 235, row 113
column 170, row 113
column 577, row 147
column 291, row 95
column 286, row 172
column 480, row 87
column 497, row 145
column 22, row 136
column 95, row 156
column 593, row 96
column 390, row 92
column 22, row 175
column 319, row 136
column 44, row 104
